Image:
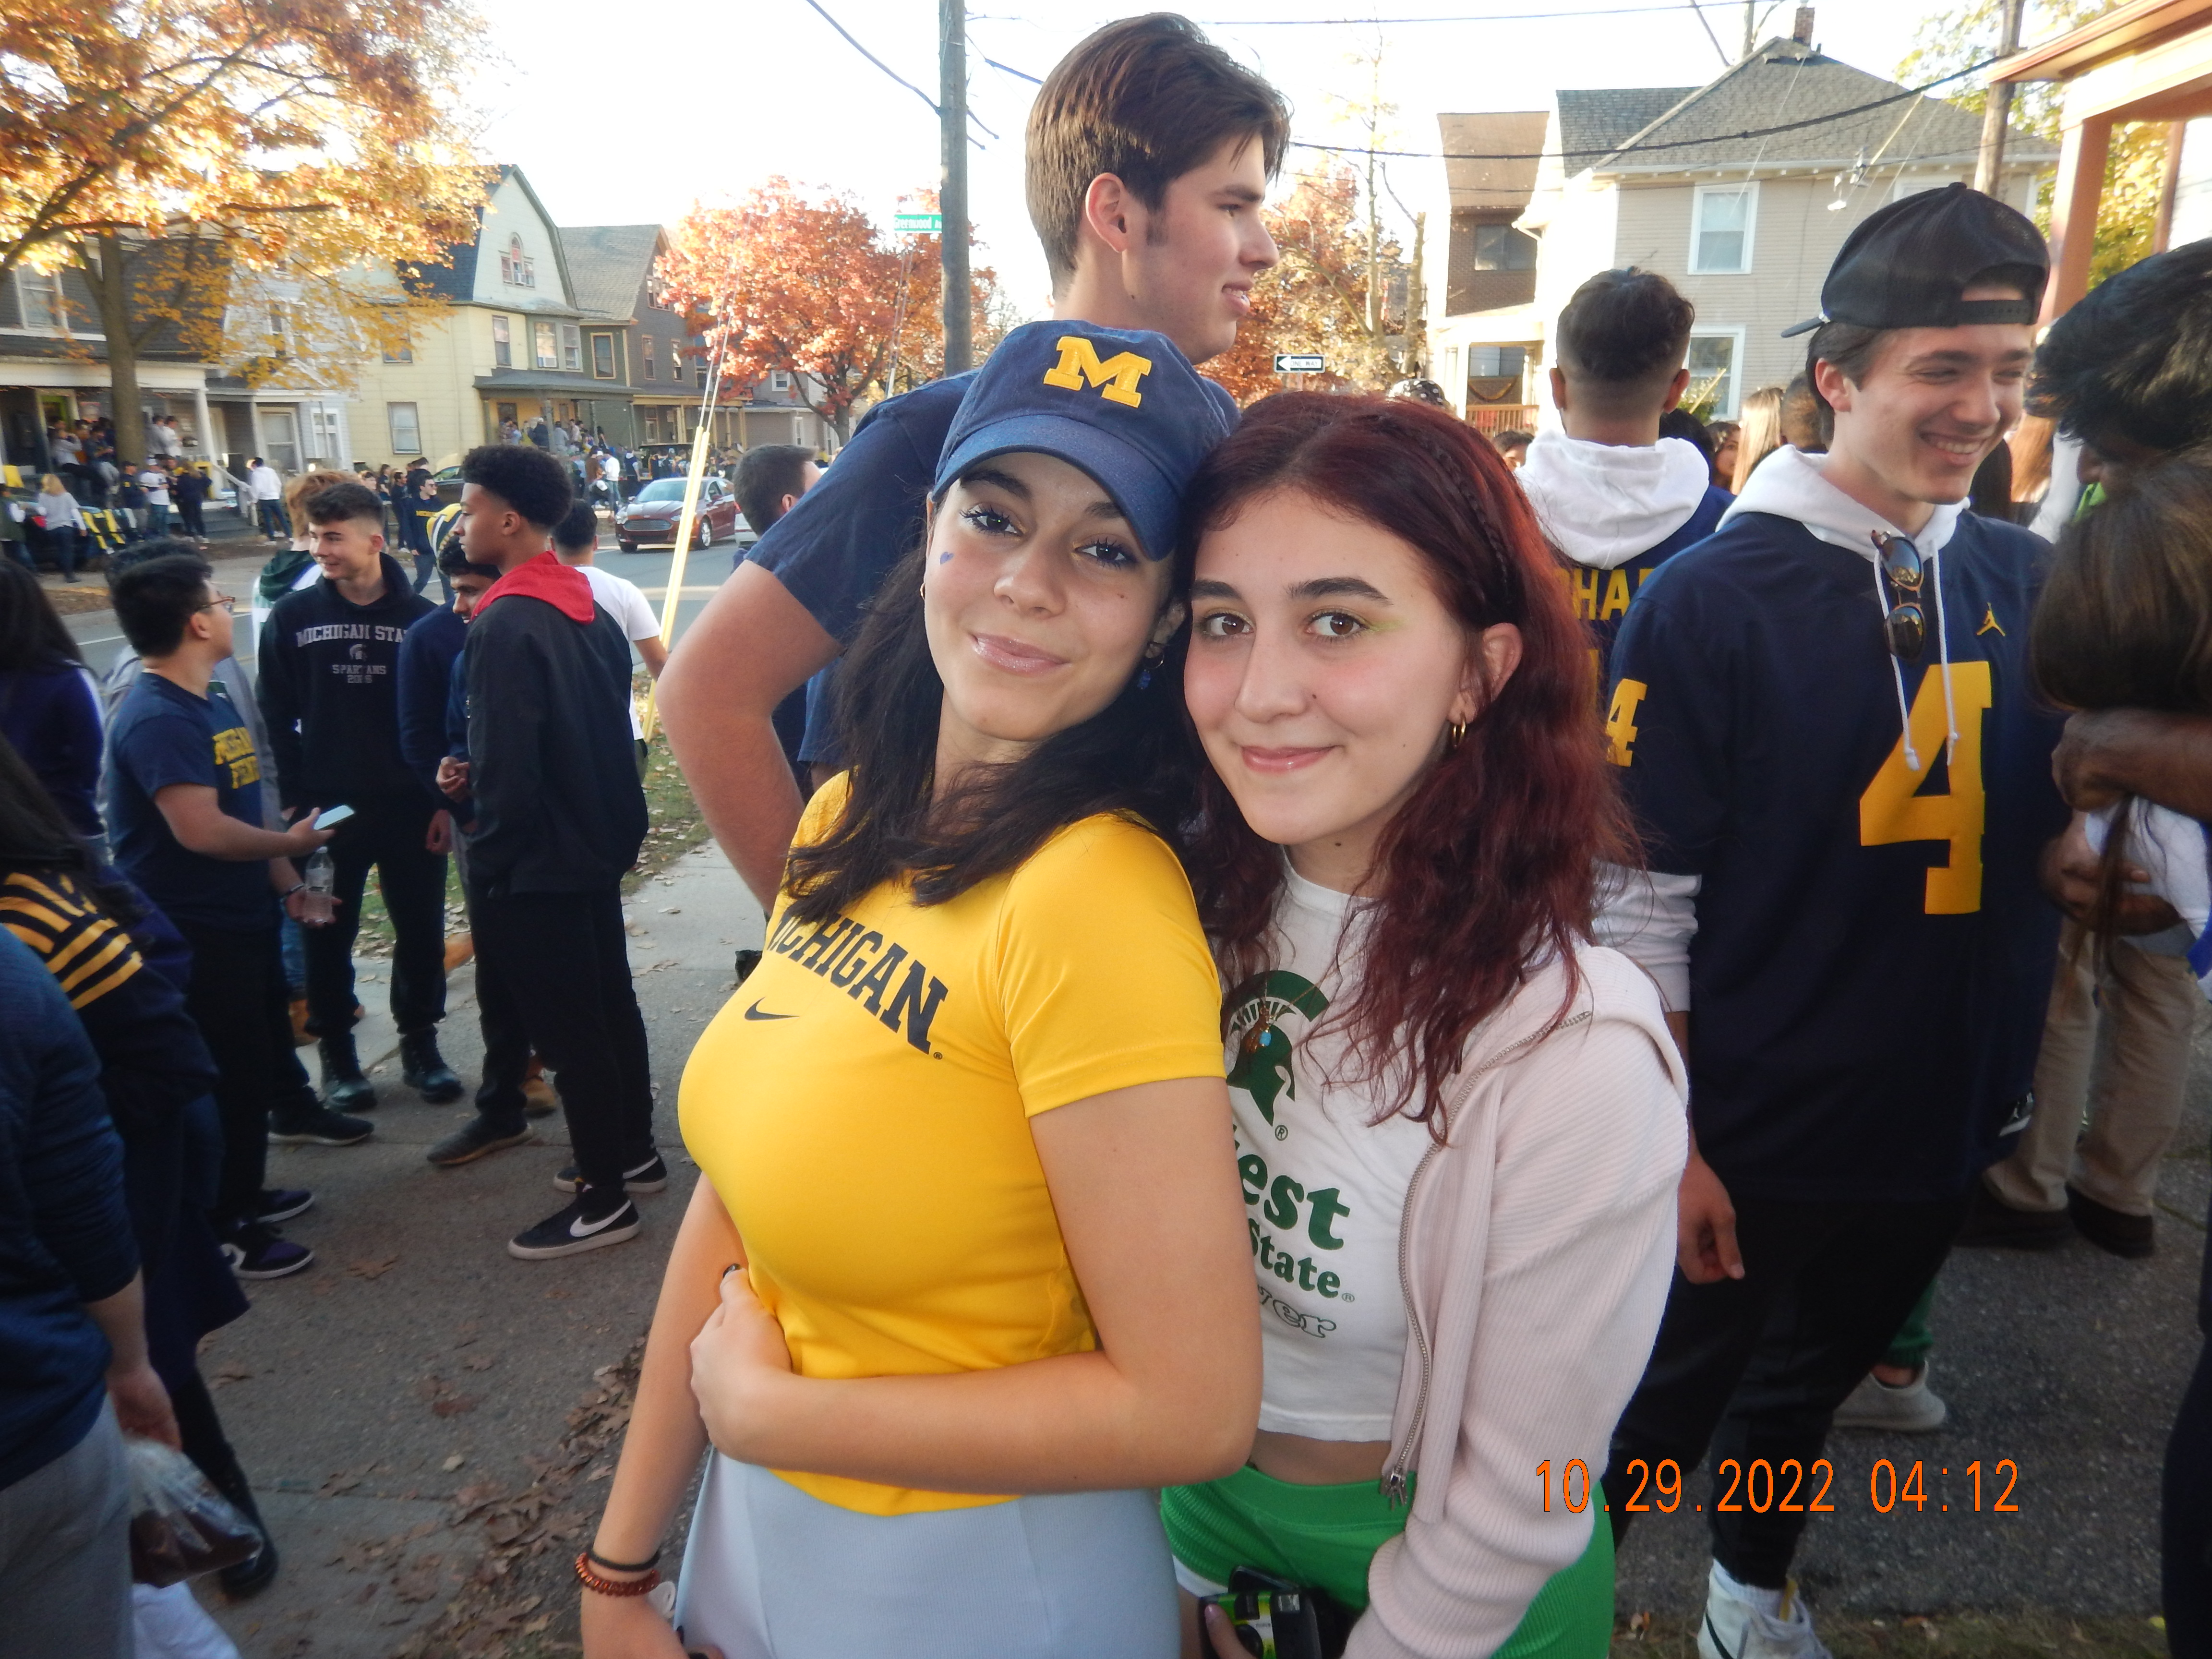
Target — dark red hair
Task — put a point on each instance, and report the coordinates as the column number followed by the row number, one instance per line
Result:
column 1490, row 867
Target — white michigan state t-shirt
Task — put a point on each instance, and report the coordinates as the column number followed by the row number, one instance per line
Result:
column 1324, row 1189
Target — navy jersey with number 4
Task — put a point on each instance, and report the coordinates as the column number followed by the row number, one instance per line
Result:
column 1873, row 952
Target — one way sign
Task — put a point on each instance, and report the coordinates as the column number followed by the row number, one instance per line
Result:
column 1299, row 363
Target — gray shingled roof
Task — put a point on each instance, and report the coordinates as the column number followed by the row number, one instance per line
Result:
column 1492, row 183
column 609, row 263
column 1784, row 81
column 1597, row 120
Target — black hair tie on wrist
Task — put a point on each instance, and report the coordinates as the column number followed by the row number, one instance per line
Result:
column 646, row 1565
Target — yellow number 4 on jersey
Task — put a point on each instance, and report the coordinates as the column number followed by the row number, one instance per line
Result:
column 1892, row 810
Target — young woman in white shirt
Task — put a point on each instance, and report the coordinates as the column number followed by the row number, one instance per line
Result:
column 1460, row 1124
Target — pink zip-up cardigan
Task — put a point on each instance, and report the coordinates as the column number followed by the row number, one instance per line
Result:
column 1535, row 1254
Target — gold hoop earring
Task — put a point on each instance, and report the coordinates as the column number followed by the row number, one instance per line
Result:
column 1455, row 734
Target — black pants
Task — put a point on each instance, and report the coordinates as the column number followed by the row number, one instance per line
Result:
column 237, row 997
column 500, row 1098
column 1755, row 1367
column 188, row 514
column 388, row 834
column 2185, row 1520
column 558, row 965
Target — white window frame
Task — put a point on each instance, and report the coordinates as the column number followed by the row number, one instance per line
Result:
column 571, row 347
column 1735, row 335
column 503, row 351
column 1749, row 189
column 393, row 430
column 60, row 307
column 779, row 380
column 1912, row 184
column 544, row 344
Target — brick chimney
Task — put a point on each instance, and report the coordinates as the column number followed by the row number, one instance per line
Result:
column 1802, row 30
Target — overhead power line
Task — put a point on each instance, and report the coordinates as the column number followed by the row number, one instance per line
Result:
column 846, row 34
column 1638, row 149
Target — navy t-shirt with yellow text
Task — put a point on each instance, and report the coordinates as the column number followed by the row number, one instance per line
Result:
column 1873, row 952
column 161, row 735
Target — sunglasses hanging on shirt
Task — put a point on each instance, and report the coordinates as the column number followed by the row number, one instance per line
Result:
column 1904, row 625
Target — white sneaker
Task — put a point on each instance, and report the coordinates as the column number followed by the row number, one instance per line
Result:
column 1736, row 1627
column 1908, row 1409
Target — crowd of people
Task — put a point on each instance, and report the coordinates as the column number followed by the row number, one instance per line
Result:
column 1318, row 967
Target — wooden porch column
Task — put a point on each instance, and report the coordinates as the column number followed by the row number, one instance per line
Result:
column 2074, row 198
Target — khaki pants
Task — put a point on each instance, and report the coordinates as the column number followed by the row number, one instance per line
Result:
column 2149, row 1005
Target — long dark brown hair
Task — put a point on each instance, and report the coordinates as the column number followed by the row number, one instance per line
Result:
column 2126, row 618
column 1489, row 869
column 1131, row 758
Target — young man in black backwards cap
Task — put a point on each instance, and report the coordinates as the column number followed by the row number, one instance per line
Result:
column 1823, row 715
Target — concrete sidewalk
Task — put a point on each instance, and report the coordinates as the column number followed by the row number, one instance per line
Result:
column 416, row 1358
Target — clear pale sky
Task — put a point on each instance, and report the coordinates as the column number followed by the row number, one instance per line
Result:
column 626, row 117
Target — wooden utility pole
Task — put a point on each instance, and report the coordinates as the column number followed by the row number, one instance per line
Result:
column 1998, row 108
column 1750, row 27
column 952, row 189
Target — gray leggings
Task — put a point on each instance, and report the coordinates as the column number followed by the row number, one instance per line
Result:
column 772, row 1572
column 65, row 1554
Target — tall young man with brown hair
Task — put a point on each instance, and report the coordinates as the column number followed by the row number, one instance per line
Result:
column 1149, row 150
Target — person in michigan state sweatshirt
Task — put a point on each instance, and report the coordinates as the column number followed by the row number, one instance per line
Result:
column 329, row 672
column 1614, row 499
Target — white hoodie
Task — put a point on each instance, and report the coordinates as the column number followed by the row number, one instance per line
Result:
column 1605, row 504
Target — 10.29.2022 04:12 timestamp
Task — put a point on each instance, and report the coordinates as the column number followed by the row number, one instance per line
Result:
column 1789, row 1487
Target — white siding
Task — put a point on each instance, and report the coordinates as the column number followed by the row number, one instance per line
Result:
column 509, row 214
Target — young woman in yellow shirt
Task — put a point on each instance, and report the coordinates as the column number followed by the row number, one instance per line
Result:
column 965, row 1128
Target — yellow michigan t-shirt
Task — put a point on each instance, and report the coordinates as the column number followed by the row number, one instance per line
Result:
column 862, row 1104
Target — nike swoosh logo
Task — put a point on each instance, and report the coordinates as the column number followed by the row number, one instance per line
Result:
column 580, row 1228
column 754, row 1012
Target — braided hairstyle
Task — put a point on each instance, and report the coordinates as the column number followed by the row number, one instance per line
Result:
column 1489, row 869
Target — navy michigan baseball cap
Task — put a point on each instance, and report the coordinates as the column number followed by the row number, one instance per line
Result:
column 1123, row 404
column 1908, row 265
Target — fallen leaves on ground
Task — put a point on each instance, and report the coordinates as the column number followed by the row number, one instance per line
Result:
column 371, row 1267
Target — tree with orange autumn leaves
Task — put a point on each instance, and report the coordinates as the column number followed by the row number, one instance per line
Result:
column 195, row 156
column 1314, row 298
column 799, row 279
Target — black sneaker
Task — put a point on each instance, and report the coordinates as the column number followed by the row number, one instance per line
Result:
column 254, row 1574
column 1993, row 1224
column 575, row 1230
column 2114, row 1231
column 282, row 1204
column 473, row 1140
column 650, row 1176
column 423, row 1069
column 256, row 1252
column 317, row 1126
column 344, row 1088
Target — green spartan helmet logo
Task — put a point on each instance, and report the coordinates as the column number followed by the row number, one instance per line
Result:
column 1263, row 1056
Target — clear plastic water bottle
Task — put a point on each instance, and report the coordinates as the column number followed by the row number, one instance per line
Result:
column 322, row 871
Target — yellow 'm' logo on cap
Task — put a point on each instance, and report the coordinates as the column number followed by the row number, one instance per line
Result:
column 1116, row 377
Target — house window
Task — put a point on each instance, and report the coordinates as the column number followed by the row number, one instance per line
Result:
column 1914, row 184
column 571, row 346
column 603, row 357
column 544, row 344
column 402, row 351
column 1712, row 364
column 280, row 331
column 516, row 268
column 779, row 380
column 502, row 343
column 39, row 293
column 406, row 423
column 645, row 344
column 1722, row 219
column 1491, row 362
column 1501, row 247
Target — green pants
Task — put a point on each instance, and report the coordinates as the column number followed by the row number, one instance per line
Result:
column 1326, row 1536
column 1915, row 1341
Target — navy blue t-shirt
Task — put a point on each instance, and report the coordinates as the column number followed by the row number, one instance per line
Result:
column 162, row 735
column 1602, row 598
column 832, row 551
column 1873, row 953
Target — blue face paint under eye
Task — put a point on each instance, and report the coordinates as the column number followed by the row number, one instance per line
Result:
column 944, row 558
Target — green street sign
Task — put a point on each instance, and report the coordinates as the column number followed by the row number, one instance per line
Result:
column 918, row 222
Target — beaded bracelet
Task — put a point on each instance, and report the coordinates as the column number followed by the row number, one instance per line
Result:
column 615, row 1587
